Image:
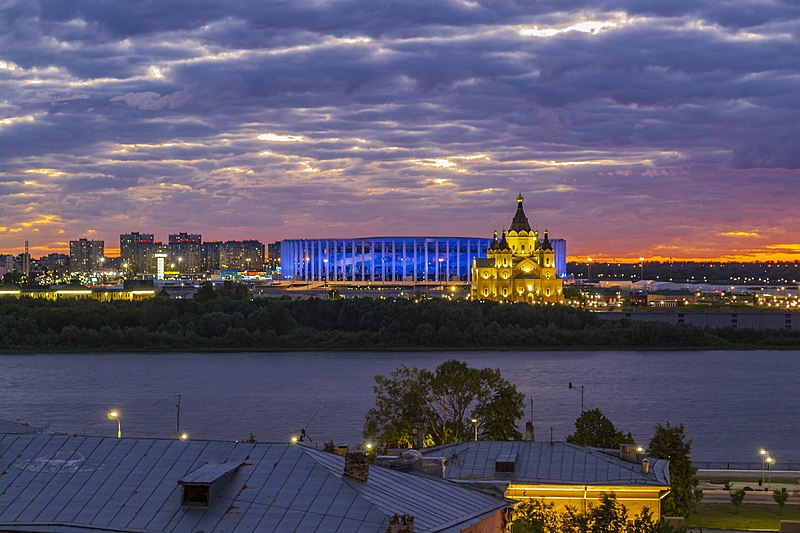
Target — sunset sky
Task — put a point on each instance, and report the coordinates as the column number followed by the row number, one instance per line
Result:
column 664, row 128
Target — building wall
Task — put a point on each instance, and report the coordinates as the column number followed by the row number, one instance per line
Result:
column 495, row 523
column 185, row 251
column 580, row 497
column 86, row 255
column 398, row 259
column 737, row 320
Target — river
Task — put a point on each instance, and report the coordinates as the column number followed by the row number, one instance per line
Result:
column 731, row 403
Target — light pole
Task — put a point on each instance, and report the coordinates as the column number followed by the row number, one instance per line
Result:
column 764, row 454
column 475, row 425
column 114, row 415
column 578, row 388
column 325, row 272
column 308, row 260
column 770, row 461
column 641, row 265
column 589, row 267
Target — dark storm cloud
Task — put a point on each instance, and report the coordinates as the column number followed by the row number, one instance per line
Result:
column 323, row 117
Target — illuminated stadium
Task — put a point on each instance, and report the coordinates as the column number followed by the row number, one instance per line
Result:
column 390, row 259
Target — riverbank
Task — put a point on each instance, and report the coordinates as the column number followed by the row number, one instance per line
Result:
column 362, row 324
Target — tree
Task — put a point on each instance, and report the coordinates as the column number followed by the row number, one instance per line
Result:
column 593, row 428
column 205, row 293
column 442, row 404
column 669, row 442
column 780, row 496
column 536, row 516
column 737, row 497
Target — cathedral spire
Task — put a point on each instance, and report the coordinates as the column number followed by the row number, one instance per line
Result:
column 520, row 221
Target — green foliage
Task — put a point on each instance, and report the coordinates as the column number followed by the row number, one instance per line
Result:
column 205, row 293
column 669, row 442
column 341, row 324
column 593, row 428
column 536, row 516
column 737, row 497
column 443, row 402
column 780, row 496
column 610, row 516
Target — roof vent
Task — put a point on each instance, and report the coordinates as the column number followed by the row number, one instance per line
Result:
column 645, row 466
column 506, row 462
column 201, row 484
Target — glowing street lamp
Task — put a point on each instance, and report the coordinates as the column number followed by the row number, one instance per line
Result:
column 114, row 415
column 641, row 265
column 764, row 454
column 589, row 267
column 475, row 425
column 770, row 461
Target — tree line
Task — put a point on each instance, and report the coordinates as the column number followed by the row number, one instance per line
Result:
column 230, row 320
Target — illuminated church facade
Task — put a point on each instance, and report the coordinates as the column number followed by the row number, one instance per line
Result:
column 518, row 267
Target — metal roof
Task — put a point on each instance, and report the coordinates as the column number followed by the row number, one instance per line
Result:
column 555, row 463
column 71, row 484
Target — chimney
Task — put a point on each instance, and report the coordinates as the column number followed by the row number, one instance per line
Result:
column 630, row 452
column 342, row 450
column 529, row 430
column 401, row 524
column 645, row 466
column 356, row 466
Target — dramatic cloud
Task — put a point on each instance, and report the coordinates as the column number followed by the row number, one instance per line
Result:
column 659, row 129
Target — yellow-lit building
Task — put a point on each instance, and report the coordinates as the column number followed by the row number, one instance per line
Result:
column 518, row 267
column 559, row 473
column 76, row 291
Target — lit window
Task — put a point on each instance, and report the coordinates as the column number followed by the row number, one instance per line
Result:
column 486, row 291
column 548, row 275
column 547, row 291
column 505, row 292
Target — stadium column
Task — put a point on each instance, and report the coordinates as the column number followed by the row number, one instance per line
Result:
column 447, row 261
column 458, row 258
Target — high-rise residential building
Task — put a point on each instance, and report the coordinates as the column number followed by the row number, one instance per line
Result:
column 86, row 255
column 136, row 252
column 186, row 251
column 274, row 255
column 241, row 255
column 209, row 257
column 56, row 263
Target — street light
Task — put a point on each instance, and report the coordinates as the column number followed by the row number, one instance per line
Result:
column 114, row 415
column 589, row 275
column 475, row 424
column 770, row 460
column 764, row 454
column 184, row 436
column 641, row 264
column 325, row 272
column 578, row 388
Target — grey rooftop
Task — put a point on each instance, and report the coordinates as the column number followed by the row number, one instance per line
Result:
column 555, row 463
column 70, row 484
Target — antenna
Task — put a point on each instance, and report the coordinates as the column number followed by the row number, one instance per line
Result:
column 303, row 434
column 178, row 420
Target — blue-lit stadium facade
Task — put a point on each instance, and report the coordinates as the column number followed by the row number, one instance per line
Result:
column 390, row 259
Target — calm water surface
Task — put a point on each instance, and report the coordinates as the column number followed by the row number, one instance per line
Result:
column 731, row 403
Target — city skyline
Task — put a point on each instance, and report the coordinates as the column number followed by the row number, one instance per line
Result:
column 663, row 131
